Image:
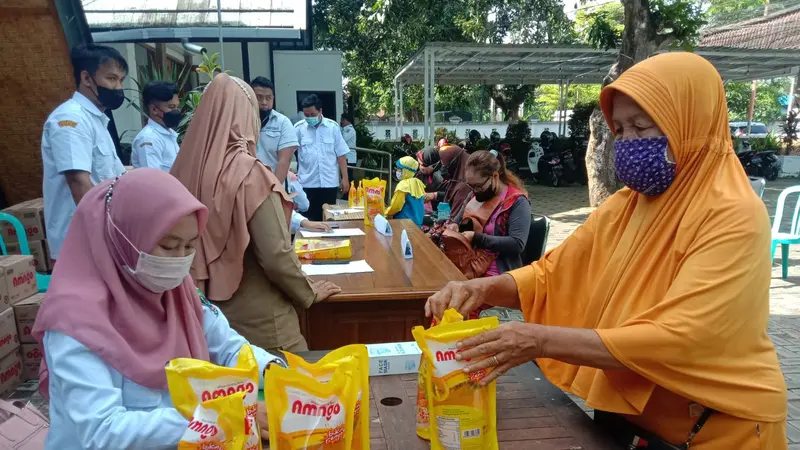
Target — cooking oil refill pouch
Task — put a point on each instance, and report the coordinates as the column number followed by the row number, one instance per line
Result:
column 304, row 413
column 357, row 358
column 423, row 419
column 463, row 415
column 192, row 382
column 323, row 249
column 218, row 424
column 374, row 194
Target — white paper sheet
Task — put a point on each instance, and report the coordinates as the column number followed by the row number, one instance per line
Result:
column 405, row 245
column 337, row 269
column 382, row 225
column 336, row 232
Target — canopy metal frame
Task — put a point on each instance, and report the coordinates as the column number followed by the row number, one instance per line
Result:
column 441, row 63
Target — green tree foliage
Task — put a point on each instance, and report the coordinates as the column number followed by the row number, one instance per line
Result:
column 767, row 109
column 378, row 36
column 543, row 103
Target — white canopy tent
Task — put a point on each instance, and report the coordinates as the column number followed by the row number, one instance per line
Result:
column 489, row 64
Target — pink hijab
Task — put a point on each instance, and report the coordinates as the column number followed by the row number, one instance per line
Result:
column 94, row 300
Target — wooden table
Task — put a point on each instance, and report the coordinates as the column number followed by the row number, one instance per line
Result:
column 531, row 414
column 384, row 305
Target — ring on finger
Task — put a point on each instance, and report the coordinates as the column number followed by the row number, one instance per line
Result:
column 496, row 362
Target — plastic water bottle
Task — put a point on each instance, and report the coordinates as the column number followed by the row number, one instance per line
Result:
column 443, row 211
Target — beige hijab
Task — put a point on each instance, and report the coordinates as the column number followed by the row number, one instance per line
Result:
column 218, row 165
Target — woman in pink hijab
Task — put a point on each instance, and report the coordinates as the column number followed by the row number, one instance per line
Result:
column 121, row 304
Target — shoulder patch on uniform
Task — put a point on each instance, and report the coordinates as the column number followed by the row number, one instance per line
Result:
column 67, row 123
column 145, row 144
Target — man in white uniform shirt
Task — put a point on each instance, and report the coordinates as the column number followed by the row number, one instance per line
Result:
column 277, row 141
column 321, row 158
column 156, row 146
column 77, row 149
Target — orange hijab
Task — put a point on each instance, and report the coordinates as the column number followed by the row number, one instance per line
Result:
column 677, row 285
column 217, row 164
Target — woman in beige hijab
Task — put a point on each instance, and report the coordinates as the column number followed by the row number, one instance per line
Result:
column 244, row 260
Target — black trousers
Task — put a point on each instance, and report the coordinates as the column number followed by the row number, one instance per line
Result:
column 318, row 197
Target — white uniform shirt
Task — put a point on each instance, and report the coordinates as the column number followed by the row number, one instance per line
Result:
column 349, row 135
column 75, row 137
column 276, row 135
column 155, row 146
column 319, row 148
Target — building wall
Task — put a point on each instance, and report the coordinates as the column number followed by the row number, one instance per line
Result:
column 386, row 130
column 37, row 77
column 306, row 71
column 127, row 118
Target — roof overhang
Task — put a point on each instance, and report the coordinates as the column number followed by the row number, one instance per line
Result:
column 230, row 34
column 466, row 63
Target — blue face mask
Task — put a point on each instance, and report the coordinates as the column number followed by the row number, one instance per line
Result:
column 642, row 164
column 312, row 121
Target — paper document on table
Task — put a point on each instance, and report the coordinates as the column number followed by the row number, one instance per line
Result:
column 336, row 232
column 337, row 269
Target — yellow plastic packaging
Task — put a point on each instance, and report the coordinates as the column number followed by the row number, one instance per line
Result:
column 354, row 195
column 374, row 194
column 462, row 414
column 311, row 249
column 323, row 371
column 192, row 382
column 304, row 413
column 423, row 419
column 360, row 195
column 218, row 424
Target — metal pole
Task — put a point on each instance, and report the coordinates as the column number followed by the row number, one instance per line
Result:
column 425, row 98
column 402, row 110
column 560, row 93
column 396, row 109
column 219, row 29
column 792, row 88
column 433, row 95
column 566, row 107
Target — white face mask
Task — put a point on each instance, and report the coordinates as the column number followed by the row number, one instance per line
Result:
column 398, row 174
column 157, row 274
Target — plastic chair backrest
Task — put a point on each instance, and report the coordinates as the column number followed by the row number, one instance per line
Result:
column 537, row 239
column 758, row 184
column 20, row 230
column 776, row 224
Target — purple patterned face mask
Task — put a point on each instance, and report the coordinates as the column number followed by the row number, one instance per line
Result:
column 642, row 164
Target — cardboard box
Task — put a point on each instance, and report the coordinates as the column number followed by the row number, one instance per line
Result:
column 31, row 214
column 10, row 372
column 32, row 355
column 9, row 338
column 38, row 251
column 17, row 279
column 25, row 313
column 393, row 359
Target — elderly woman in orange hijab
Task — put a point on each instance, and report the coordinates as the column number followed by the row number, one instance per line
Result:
column 244, row 260
column 655, row 310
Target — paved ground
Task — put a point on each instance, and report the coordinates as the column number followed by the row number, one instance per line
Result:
column 568, row 207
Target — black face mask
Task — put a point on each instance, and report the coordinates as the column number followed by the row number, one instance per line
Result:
column 264, row 114
column 172, row 118
column 109, row 98
column 486, row 195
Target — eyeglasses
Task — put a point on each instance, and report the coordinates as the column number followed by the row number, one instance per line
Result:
column 266, row 98
column 480, row 187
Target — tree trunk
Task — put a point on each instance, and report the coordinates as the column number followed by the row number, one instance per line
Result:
column 512, row 114
column 639, row 41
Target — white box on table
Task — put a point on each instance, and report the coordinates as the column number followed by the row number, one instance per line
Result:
column 394, row 358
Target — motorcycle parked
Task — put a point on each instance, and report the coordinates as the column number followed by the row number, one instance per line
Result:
column 555, row 165
column 760, row 164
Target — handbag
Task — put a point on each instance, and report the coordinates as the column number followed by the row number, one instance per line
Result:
column 634, row 437
column 472, row 262
column 22, row 427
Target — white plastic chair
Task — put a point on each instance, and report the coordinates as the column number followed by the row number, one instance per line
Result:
column 785, row 239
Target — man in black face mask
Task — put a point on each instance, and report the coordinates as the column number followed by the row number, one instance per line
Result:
column 277, row 141
column 77, row 149
column 156, row 145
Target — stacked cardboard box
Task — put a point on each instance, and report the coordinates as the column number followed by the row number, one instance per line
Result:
column 31, row 215
column 17, row 284
column 25, row 313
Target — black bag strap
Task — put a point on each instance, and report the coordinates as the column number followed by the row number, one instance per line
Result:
column 696, row 428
